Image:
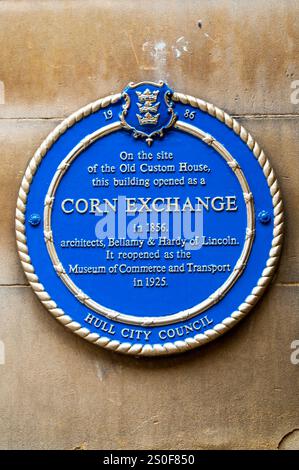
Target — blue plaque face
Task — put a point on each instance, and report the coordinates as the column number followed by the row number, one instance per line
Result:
column 149, row 222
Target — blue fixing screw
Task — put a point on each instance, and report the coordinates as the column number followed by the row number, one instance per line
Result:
column 34, row 219
column 264, row 217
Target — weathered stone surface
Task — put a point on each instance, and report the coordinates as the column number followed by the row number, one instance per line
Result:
column 57, row 56
column 290, row 441
column 58, row 391
column 20, row 139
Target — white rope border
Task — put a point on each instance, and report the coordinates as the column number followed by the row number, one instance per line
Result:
column 169, row 347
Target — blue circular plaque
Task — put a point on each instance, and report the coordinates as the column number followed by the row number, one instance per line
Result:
column 149, row 222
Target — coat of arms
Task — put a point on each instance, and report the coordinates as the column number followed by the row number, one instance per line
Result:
column 148, row 109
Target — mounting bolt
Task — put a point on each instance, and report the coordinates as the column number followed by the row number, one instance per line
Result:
column 264, row 217
column 34, row 219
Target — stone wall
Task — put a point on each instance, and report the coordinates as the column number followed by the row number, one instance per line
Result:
column 58, row 391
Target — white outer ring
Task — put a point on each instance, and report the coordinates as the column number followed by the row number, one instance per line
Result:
column 169, row 347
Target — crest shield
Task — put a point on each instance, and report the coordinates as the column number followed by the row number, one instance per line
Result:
column 147, row 109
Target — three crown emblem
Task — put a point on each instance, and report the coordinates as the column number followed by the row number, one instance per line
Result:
column 148, row 107
column 147, row 110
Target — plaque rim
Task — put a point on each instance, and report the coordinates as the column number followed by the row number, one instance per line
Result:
column 168, row 347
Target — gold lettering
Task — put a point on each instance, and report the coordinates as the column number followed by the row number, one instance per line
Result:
column 231, row 203
column 221, row 205
column 64, row 202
